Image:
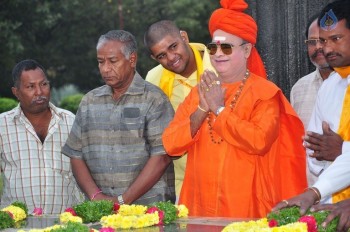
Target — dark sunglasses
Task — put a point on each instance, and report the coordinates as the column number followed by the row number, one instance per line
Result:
column 226, row 48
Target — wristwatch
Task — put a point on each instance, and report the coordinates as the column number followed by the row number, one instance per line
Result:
column 120, row 200
column 218, row 111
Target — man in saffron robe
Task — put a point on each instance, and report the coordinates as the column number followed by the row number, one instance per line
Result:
column 242, row 136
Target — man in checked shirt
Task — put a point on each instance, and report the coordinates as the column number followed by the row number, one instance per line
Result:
column 32, row 134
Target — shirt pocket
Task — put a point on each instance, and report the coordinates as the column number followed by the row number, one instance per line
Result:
column 132, row 123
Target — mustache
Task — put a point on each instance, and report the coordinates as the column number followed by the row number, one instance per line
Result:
column 39, row 98
column 319, row 51
column 332, row 54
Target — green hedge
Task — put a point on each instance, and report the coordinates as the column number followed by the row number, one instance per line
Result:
column 71, row 102
column 7, row 104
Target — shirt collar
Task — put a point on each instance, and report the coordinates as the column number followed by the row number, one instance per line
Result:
column 136, row 87
column 18, row 112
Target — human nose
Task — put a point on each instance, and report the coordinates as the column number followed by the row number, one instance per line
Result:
column 318, row 45
column 38, row 90
column 105, row 67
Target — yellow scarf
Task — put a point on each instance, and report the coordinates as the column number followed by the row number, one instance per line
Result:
column 168, row 77
column 344, row 128
column 344, row 72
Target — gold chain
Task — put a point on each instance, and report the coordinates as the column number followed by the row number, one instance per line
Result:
column 232, row 105
column 185, row 83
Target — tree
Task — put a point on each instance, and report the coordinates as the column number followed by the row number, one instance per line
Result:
column 62, row 35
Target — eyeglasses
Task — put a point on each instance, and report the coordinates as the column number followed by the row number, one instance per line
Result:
column 312, row 42
column 226, row 48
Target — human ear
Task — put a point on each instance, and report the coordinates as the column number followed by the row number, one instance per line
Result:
column 14, row 91
column 184, row 36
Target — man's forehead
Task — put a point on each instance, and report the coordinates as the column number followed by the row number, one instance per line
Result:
column 220, row 38
column 339, row 28
column 329, row 21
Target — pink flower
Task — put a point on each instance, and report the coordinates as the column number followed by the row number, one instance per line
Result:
column 160, row 214
column 38, row 211
column 116, row 207
column 310, row 221
column 273, row 223
column 71, row 210
column 106, row 229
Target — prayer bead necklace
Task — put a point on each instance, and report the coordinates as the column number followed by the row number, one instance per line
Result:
column 232, row 105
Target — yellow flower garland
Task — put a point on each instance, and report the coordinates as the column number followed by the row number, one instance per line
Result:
column 263, row 226
column 183, row 211
column 130, row 216
column 68, row 217
column 17, row 212
column 117, row 221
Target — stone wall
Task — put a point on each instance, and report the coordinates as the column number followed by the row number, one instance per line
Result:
column 282, row 25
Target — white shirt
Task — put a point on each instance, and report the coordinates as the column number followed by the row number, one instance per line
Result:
column 328, row 108
column 303, row 95
column 33, row 172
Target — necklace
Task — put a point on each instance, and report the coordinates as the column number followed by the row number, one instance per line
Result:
column 232, row 105
column 184, row 83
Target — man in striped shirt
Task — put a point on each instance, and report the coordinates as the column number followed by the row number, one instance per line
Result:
column 115, row 143
column 32, row 134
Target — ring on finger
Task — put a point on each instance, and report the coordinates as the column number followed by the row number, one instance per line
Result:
column 218, row 82
column 285, row 201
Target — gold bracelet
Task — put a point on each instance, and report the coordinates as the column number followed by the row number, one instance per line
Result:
column 315, row 190
column 201, row 109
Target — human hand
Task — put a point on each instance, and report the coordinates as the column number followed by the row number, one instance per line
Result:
column 213, row 92
column 341, row 210
column 202, row 101
column 327, row 146
column 304, row 201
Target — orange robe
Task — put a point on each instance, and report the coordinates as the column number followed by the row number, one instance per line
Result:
column 260, row 162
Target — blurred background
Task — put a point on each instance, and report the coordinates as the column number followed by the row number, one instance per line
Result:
column 62, row 36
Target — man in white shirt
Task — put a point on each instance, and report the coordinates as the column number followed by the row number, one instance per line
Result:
column 33, row 168
column 331, row 114
column 304, row 91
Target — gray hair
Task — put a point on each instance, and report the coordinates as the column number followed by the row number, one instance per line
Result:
column 122, row 36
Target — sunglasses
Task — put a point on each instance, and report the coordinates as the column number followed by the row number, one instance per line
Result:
column 226, row 48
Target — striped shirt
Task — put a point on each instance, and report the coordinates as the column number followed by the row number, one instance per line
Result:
column 116, row 138
column 303, row 95
column 34, row 172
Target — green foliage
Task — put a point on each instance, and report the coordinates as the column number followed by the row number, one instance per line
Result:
column 292, row 214
column 71, row 103
column 21, row 205
column 93, row 211
column 57, row 94
column 170, row 211
column 43, row 34
column 5, row 220
column 72, row 227
column 7, row 104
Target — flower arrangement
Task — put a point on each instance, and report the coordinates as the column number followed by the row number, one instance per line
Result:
column 68, row 227
column 285, row 220
column 312, row 219
column 262, row 225
column 12, row 214
column 114, row 216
